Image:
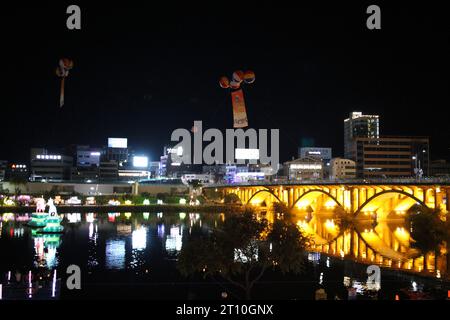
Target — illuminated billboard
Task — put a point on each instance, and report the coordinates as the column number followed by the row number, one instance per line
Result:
column 247, row 154
column 117, row 143
column 140, row 162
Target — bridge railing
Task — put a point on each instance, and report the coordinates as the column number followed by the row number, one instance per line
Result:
column 377, row 181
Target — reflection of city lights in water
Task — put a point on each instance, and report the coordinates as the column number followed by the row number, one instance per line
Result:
column 159, row 215
column 174, row 241
column 8, row 216
column 54, row 284
column 161, row 231
column 111, row 217
column 39, row 247
column 139, row 243
column 146, row 215
column 194, row 217
column 321, row 278
column 23, row 218
column 139, row 238
column 89, row 217
column 18, row 233
column 115, row 254
column 93, row 236
column 347, row 281
column 314, row 256
column 358, row 286
column 123, row 229
column 45, row 248
column 50, row 257
column 175, row 231
column 30, row 286
column 329, row 224
column 73, row 217
column 414, row 286
column 328, row 262
column 182, row 215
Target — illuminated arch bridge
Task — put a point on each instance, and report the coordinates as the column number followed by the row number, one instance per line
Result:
column 383, row 199
column 386, row 243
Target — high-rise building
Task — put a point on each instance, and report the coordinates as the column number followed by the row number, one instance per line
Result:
column 359, row 125
column 342, row 169
column 3, row 169
column 117, row 150
column 87, row 163
column 87, row 156
column 50, row 166
column 440, row 168
column 309, row 168
column 17, row 170
column 392, row 156
column 109, row 170
column 324, row 154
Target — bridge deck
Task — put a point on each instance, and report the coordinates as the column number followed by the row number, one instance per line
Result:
column 355, row 182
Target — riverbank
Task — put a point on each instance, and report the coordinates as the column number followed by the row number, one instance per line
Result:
column 215, row 208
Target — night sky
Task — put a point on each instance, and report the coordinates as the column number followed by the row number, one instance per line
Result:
column 142, row 70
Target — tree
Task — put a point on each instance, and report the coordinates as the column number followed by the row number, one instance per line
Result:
column 18, row 181
column 428, row 231
column 51, row 193
column 162, row 196
column 195, row 183
column 231, row 198
column 243, row 248
column 146, row 195
column 213, row 195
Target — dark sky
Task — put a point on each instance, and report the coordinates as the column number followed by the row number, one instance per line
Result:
column 142, row 70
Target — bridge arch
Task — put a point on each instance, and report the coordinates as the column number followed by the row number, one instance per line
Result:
column 323, row 230
column 405, row 204
column 311, row 195
column 261, row 196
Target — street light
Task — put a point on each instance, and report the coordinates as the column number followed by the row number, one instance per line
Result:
column 417, row 170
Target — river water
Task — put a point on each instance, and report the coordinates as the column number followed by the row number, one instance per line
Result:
column 134, row 255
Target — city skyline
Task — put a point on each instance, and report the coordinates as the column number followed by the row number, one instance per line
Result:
column 211, row 154
column 120, row 83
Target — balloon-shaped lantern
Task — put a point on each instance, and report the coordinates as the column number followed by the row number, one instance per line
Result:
column 62, row 71
column 237, row 95
column 224, row 82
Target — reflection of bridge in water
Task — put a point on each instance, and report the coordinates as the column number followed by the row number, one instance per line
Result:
column 378, row 232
